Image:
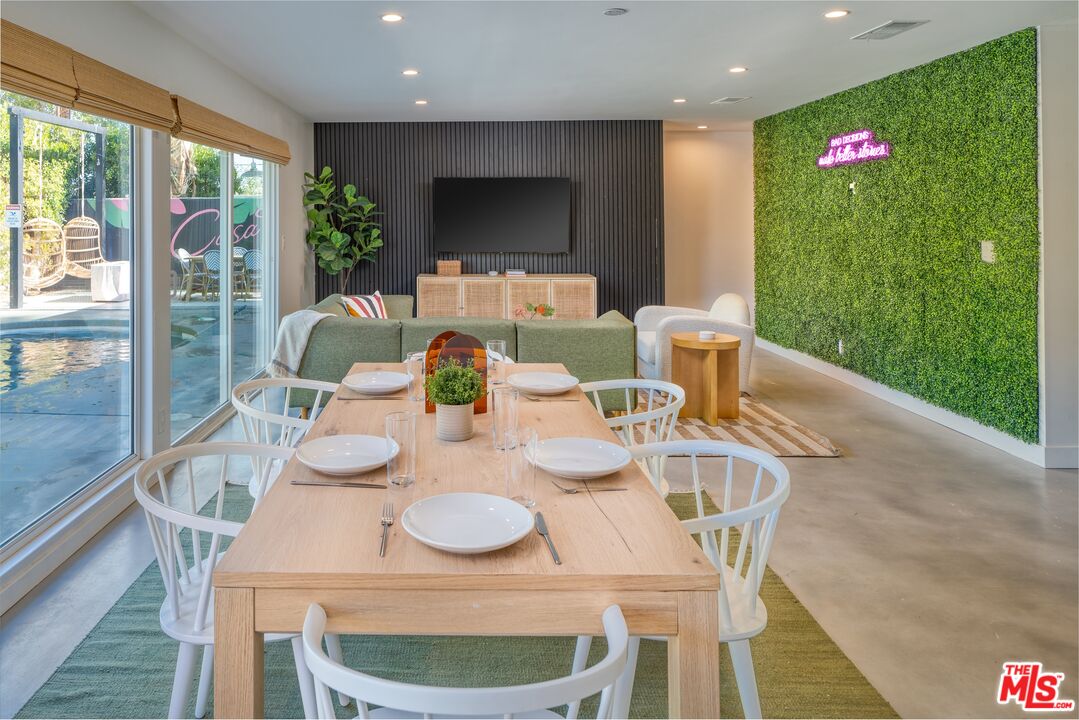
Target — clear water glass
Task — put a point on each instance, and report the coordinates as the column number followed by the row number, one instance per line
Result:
column 414, row 367
column 496, row 360
column 401, row 429
column 504, row 415
column 520, row 472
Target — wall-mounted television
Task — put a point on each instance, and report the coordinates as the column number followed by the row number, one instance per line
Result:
column 495, row 215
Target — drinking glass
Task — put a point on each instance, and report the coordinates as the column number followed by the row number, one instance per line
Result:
column 496, row 360
column 414, row 362
column 504, row 420
column 520, row 472
column 401, row 428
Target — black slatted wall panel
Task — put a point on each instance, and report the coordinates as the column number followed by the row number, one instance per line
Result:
column 615, row 169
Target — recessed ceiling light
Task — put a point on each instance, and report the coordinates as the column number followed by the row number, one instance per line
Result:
column 679, row 100
column 833, row 14
column 702, row 127
column 392, row 18
column 410, row 72
column 421, row 102
column 615, row 12
column 738, row 69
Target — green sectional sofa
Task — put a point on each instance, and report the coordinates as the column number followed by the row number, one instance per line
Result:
column 600, row 349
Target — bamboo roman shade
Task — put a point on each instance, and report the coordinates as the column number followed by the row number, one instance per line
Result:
column 36, row 66
column 202, row 125
column 106, row 91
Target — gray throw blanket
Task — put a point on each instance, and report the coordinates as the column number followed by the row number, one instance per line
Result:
column 292, row 337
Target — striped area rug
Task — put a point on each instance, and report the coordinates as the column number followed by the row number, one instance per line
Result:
column 761, row 427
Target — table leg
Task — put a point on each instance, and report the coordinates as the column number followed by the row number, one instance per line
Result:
column 238, row 672
column 693, row 657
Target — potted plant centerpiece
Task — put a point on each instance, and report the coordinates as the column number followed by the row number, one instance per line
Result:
column 454, row 388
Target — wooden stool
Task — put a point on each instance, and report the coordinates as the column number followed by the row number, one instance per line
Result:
column 708, row 371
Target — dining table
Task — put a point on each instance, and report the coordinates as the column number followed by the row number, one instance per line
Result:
column 305, row 544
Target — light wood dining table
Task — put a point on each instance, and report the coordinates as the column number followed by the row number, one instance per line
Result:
column 307, row 544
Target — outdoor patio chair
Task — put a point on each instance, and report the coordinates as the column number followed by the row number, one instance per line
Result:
column 42, row 254
column 82, row 246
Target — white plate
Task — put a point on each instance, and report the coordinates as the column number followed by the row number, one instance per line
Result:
column 346, row 454
column 542, row 383
column 580, row 458
column 377, row 383
column 467, row 523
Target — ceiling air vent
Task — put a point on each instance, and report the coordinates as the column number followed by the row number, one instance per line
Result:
column 889, row 29
column 728, row 100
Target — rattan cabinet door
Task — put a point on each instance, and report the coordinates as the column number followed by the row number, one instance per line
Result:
column 521, row 291
column 438, row 297
column 483, row 297
column 574, row 298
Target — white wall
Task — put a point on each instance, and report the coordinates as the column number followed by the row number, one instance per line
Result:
column 123, row 36
column 707, row 215
column 1059, row 310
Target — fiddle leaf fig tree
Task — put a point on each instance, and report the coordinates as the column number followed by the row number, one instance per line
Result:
column 341, row 226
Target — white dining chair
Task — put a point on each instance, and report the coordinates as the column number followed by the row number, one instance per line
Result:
column 403, row 700
column 748, row 519
column 266, row 418
column 269, row 420
column 165, row 487
column 653, row 415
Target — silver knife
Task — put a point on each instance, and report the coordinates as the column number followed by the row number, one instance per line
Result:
column 333, row 483
column 541, row 528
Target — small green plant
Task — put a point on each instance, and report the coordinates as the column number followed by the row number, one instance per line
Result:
column 454, row 384
column 341, row 226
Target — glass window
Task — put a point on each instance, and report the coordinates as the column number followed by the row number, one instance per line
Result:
column 199, row 212
column 223, row 306
column 66, row 392
column 252, row 218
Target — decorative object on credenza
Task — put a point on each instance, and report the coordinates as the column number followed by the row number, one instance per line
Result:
column 528, row 311
column 492, row 273
column 341, row 226
column 514, row 272
column 454, row 388
column 466, row 351
column 449, row 267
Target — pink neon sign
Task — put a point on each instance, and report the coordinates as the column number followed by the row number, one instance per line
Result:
column 854, row 147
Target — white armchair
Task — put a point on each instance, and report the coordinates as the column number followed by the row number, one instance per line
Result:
column 729, row 314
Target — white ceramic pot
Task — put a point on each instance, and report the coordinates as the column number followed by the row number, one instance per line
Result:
column 454, row 422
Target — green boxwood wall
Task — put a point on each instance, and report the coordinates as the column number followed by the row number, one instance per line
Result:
column 895, row 269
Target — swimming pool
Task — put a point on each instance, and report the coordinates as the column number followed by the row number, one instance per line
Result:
column 31, row 356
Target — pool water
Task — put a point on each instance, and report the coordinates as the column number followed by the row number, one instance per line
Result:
column 28, row 358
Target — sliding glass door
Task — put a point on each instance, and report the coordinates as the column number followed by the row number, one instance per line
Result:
column 223, row 307
column 66, row 257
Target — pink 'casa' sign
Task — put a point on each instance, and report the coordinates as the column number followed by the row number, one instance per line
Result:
column 853, row 147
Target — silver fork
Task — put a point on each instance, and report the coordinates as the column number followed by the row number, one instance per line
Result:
column 386, row 519
column 574, row 491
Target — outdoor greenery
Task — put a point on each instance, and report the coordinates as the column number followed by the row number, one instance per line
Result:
column 454, row 384
column 341, row 227
column 885, row 256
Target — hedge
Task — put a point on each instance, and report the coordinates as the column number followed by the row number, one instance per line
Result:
column 893, row 268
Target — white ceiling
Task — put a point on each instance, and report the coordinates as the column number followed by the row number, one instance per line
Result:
column 543, row 60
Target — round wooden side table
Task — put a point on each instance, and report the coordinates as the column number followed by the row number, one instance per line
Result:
column 708, row 371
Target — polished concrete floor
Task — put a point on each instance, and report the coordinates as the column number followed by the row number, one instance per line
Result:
column 929, row 557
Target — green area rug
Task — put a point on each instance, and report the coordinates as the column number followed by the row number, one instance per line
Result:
column 124, row 666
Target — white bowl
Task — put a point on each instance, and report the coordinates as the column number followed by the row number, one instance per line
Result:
column 380, row 382
column 580, row 458
column 467, row 523
column 346, row 454
column 542, row 383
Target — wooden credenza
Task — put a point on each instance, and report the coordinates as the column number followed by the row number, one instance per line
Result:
column 572, row 296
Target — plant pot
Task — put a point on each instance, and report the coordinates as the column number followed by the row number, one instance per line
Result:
column 454, row 422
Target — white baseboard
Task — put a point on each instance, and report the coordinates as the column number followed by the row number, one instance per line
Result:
column 1058, row 456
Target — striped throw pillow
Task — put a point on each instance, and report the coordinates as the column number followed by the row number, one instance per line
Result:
column 365, row 306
